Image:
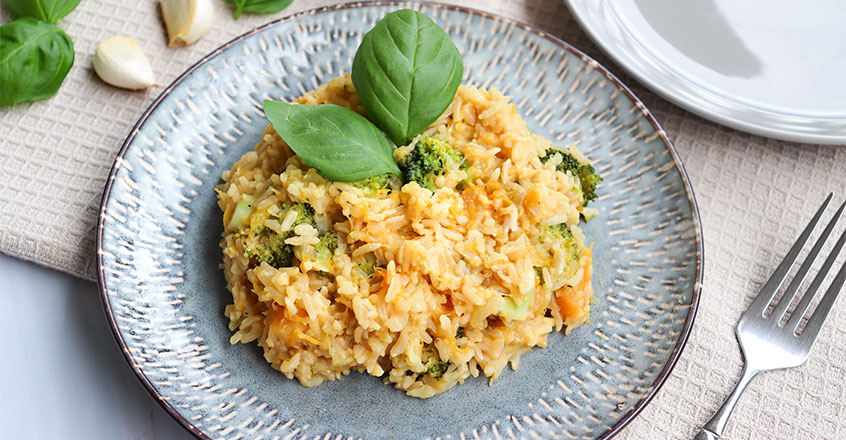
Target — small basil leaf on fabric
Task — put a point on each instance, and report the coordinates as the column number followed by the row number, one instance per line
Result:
column 341, row 144
column 259, row 6
column 35, row 57
column 50, row 11
column 406, row 72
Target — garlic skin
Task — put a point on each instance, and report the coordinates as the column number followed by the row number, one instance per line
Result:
column 186, row 20
column 119, row 61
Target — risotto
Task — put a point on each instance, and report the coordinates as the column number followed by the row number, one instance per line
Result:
column 420, row 285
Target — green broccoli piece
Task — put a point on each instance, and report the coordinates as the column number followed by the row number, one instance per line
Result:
column 428, row 160
column 550, row 233
column 588, row 179
column 539, row 274
column 241, row 214
column 434, row 366
column 270, row 246
column 561, row 236
column 517, row 311
column 377, row 186
column 305, row 214
column 324, row 250
column 367, row 265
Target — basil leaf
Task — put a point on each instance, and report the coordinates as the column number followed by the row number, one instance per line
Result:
column 35, row 57
column 259, row 6
column 45, row 10
column 341, row 144
column 406, row 72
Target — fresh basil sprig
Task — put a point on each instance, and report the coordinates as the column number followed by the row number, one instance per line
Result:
column 259, row 6
column 341, row 144
column 35, row 57
column 406, row 72
column 50, row 11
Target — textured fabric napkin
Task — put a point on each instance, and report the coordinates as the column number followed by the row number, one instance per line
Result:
column 755, row 194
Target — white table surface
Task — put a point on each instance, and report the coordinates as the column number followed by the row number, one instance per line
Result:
column 61, row 373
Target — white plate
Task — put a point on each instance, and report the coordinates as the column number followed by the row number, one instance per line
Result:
column 776, row 69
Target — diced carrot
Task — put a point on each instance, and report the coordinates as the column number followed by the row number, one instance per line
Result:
column 572, row 300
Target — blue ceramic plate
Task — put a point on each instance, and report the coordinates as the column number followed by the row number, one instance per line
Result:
column 164, row 292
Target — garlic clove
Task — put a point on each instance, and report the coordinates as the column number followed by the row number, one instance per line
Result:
column 186, row 20
column 119, row 61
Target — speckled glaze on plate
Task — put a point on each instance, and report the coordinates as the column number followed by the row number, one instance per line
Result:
column 164, row 293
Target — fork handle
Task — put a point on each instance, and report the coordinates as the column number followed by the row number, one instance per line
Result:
column 714, row 428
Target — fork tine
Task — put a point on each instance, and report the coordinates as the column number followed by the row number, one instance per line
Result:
column 797, row 281
column 797, row 315
column 815, row 323
column 759, row 305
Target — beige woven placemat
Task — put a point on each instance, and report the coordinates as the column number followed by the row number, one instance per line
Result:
column 754, row 195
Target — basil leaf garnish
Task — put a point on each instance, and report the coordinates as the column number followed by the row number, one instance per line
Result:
column 35, row 57
column 341, row 144
column 45, row 10
column 406, row 72
column 259, row 6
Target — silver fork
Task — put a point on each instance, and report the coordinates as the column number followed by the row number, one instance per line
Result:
column 768, row 345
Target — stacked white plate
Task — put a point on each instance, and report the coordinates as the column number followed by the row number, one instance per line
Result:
column 773, row 68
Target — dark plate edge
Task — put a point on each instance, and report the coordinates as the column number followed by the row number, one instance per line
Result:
column 694, row 305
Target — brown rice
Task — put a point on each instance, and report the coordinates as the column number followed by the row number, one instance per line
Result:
column 449, row 260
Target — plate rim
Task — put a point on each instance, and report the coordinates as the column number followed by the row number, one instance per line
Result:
column 693, row 97
column 662, row 375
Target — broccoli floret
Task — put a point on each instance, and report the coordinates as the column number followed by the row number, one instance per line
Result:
column 588, row 179
column 551, row 233
column 305, row 215
column 324, row 250
column 377, row 186
column 561, row 233
column 561, row 236
column 434, row 366
column 428, row 160
column 270, row 246
column 367, row 265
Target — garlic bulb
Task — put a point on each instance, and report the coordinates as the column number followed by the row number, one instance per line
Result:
column 186, row 20
column 120, row 62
